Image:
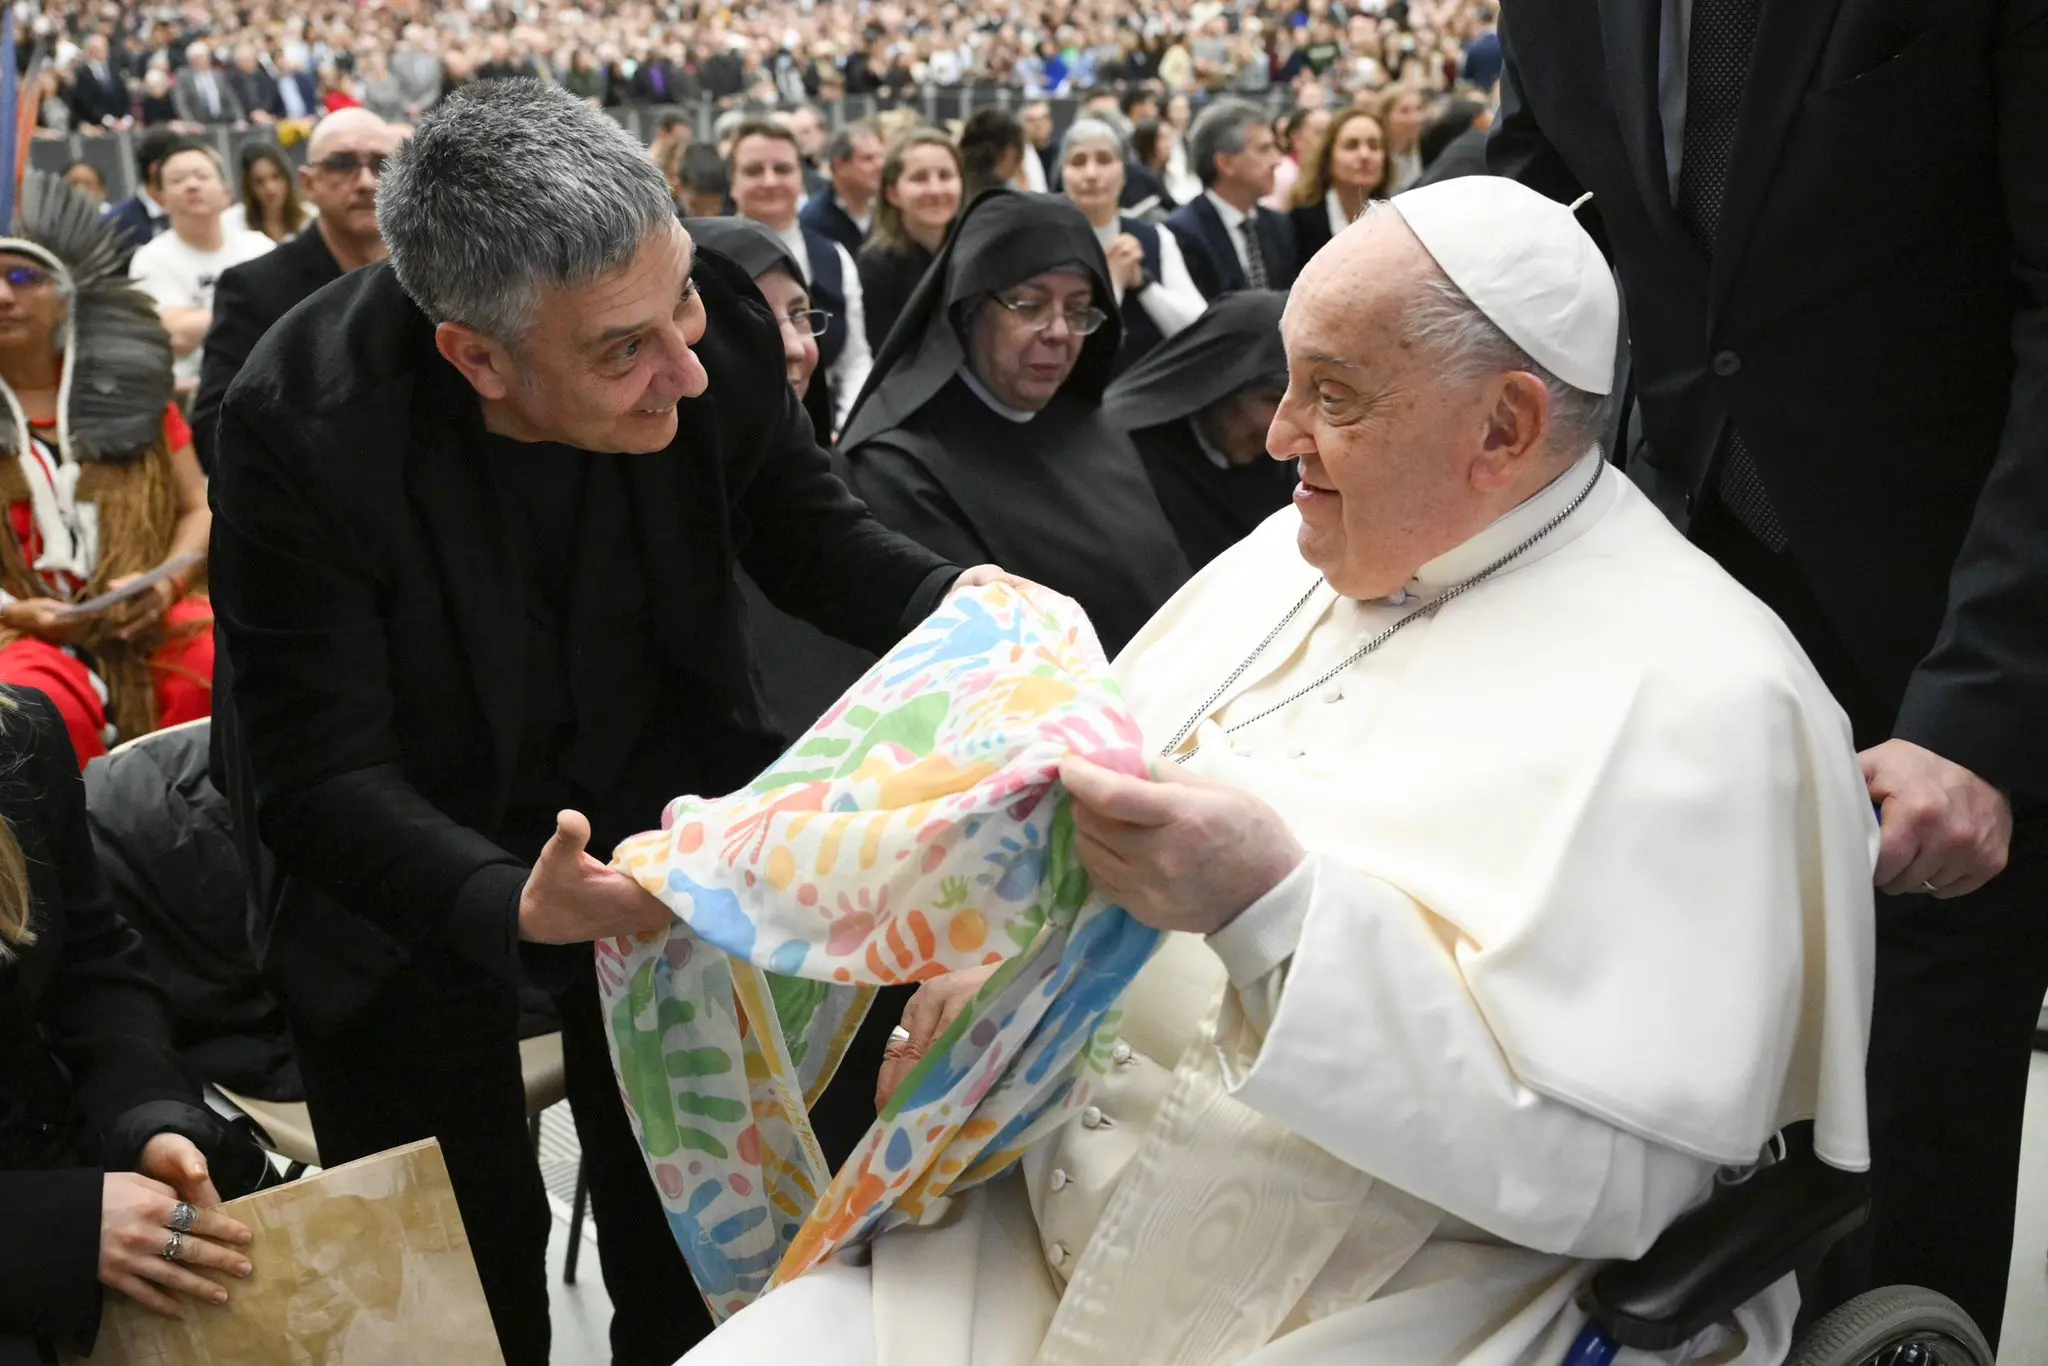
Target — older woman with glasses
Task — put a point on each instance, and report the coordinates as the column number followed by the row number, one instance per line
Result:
column 980, row 432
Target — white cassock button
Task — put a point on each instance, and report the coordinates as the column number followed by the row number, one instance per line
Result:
column 1093, row 1118
column 1059, row 1179
column 1057, row 1254
column 1121, row 1054
column 1334, row 693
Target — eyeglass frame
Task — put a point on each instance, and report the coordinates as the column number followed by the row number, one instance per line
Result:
column 41, row 276
column 373, row 162
column 1093, row 316
column 820, row 319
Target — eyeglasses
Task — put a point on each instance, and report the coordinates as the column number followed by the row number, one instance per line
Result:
column 347, row 164
column 808, row 322
column 25, row 277
column 1038, row 314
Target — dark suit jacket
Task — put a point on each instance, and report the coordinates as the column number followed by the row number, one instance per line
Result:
column 84, row 1049
column 309, row 92
column 1464, row 155
column 1212, row 258
column 131, row 225
column 93, row 101
column 1873, row 318
column 191, row 104
column 371, row 606
column 257, row 90
column 1310, row 225
column 247, row 300
column 821, row 213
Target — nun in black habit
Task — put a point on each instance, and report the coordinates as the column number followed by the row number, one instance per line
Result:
column 1197, row 407
column 981, row 434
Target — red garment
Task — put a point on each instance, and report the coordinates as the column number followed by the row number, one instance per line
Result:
column 341, row 99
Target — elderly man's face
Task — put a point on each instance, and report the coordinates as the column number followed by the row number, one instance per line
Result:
column 1397, row 465
column 1022, row 344
column 604, row 364
column 344, row 161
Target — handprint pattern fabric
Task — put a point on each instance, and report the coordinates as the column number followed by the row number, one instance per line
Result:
column 917, row 829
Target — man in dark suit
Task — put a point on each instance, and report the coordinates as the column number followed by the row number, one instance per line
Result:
column 845, row 209
column 99, row 93
column 476, row 519
column 253, row 86
column 1829, row 222
column 1230, row 240
column 344, row 159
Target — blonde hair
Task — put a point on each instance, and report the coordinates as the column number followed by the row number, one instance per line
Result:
column 14, row 886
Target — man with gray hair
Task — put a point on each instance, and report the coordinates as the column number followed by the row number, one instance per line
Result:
column 478, row 510
column 845, row 209
column 202, row 93
column 1231, row 240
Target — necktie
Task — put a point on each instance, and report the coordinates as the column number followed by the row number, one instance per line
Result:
column 659, row 81
column 1716, row 73
column 1254, row 259
column 206, row 88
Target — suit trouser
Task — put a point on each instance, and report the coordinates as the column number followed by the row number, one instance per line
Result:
column 1959, row 987
column 436, row 1053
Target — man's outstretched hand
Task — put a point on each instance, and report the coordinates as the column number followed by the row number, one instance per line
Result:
column 1945, row 830
column 571, row 898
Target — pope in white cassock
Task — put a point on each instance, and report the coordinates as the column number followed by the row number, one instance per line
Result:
column 1522, row 862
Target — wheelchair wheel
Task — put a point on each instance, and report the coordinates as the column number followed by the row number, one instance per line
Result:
column 1900, row 1325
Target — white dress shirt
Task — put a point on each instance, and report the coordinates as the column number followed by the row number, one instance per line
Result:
column 1172, row 301
column 1233, row 228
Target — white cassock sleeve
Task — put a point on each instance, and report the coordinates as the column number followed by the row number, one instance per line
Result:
column 1350, row 1024
column 850, row 372
column 1173, row 301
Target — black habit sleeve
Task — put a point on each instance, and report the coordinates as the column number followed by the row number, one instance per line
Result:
column 296, row 598
column 905, row 496
column 818, row 554
column 1980, row 698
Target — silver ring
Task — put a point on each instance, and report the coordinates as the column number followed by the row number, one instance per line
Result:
column 174, row 1247
column 899, row 1035
column 183, row 1216
column 1929, row 888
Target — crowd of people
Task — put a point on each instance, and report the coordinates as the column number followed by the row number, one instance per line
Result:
column 118, row 63
column 478, row 479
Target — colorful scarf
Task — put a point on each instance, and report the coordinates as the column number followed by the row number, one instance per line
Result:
column 916, row 830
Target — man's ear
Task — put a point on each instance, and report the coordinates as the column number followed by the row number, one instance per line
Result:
column 486, row 364
column 1516, row 422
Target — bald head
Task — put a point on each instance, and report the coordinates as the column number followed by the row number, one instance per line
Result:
column 344, row 159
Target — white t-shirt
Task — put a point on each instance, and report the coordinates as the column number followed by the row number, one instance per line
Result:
column 176, row 275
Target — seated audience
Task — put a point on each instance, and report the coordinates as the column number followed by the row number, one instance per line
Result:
column 845, row 209
column 1453, row 143
column 919, row 199
column 1401, row 115
column 344, row 161
column 1299, row 134
column 180, row 269
column 142, row 215
column 1231, row 240
column 1348, row 172
column 992, row 150
column 981, row 434
column 270, row 197
column 107, row 488
column 85, row 178
column 1155, row 295
column 1198, row 409
column 1516, row 866
column 110, row 1163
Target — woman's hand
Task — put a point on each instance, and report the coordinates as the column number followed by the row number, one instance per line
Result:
column 1126, row 262
column 176, row 1161
column 1178, row 852
column 45, row 619
column 140, row 616
column 135, row 1228
column 928, row 1015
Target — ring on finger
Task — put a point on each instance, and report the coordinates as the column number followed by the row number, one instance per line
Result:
column 183, row 1216
column 1927, row 886
column 174, row 1247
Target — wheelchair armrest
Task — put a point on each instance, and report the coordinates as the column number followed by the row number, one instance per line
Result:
column 1722, row 1253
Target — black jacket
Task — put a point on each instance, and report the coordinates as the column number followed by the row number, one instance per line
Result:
column 1212, row 257
column 86, row 1072
column 1873, row 319
column 246, row 302
column 93, row 101
column 372, row 610
column 821, row 213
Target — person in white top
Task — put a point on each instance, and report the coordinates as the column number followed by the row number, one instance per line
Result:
column 766, row 169
column 1092, row 161
column 179, row 269
column 1516, row 866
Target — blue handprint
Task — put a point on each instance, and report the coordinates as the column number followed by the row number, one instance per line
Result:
column 975, row 635
column 718, row 1273
column 1020, row 866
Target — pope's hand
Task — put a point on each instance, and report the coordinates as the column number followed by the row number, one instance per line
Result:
column 1179, row 852
column 930, row 1013
column 571, row 898
column 1945, row 829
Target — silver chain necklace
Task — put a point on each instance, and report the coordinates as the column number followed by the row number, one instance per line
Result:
column 1428, row 609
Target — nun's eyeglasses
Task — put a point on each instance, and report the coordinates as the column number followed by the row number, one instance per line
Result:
column 807, row 322
column 1037, row 315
